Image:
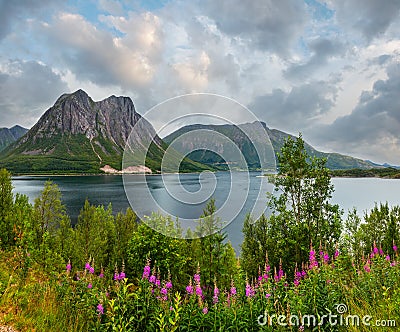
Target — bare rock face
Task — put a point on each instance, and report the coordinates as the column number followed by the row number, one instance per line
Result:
column 10, row 135
column 111, row 119
column 79, row 135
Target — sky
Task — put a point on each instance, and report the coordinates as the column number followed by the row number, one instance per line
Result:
column 328, row 69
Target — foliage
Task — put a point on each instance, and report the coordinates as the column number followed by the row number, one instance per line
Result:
column 382, row 172
column 326, row 288
column 301, row 213
column 111, row 273
column 380, row 227
column 6, row 205
column 211, row 251
column 168, row 252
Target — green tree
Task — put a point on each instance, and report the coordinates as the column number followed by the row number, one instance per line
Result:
column 48, row 214
column 352, row 238
column 301, row 210
column 6, row 205
column 167, row 252
column 381, row 226
column 255, row 244
column 21, row 217
column 211, row 250
column 48, row 210
column 125, row 226
column 94, row 236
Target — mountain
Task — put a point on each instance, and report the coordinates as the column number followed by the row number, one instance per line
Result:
column 277, row 138
column 10, row 135
column 79, row 135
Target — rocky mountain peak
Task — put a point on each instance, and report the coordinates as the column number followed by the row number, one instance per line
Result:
column 106, row 124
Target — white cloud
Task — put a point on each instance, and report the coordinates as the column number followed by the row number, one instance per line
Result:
column 28, row 88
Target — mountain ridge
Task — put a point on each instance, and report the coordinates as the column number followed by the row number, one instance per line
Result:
column 80, row 135
column 277, row 137
column 10, row 135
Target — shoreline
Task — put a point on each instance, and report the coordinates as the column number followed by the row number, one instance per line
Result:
column 158, row 174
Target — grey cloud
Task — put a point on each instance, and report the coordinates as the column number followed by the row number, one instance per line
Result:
column 322, row 50
column 267, row 24
column 27, row 88
column 297, row 109
column 96, row 55
column 370, row 17
column 372, row 128
column 13, row 10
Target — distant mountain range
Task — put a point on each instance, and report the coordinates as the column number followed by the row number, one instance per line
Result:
column 10, row 135
column 79, row 135
column 277, row 138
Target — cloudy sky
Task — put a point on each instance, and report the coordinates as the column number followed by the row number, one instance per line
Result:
column 327, row 68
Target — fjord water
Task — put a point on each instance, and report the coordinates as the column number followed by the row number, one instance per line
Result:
column 361, row 193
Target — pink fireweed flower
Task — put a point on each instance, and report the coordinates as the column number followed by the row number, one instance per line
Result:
column 249, row 290
column 228, row 300
column 164, row 291
column 280, row 275
column 68, row 267
column 326, row 258
column 375, row 250
column 196, row 278
column 100, row 309
column 297, row 277
column 394, row 247
column 205, row 310
column 152, row 279
column 87, row 266
column 89, row 286
column 387, row 258
column 199, row 291
column 268, row 295
column 146, row 271
column 91, row 270
column 393, row 264
column 336, row 255
column 121, row 276
column 168, row 285
column 313, row 260
column 158, row 282
column 381, row 252
column 189, row 289
column 171, row 308
column 233, row 289
column 116, row 276
column 367, row 267
column 216, row 293
column 101, row 275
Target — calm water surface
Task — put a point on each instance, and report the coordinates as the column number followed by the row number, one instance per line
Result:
column 361, row 193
